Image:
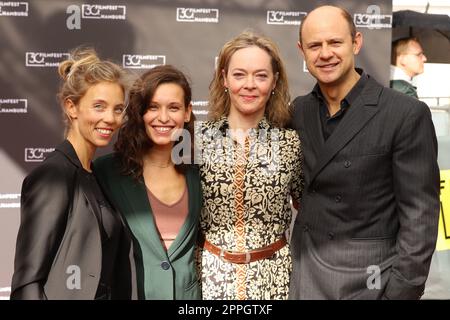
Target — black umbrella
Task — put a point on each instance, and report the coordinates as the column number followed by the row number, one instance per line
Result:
column 421, row 20
column 432, row 31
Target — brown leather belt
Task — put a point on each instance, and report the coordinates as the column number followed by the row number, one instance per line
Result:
column 244, row 257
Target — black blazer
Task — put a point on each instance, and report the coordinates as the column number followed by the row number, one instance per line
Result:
column 59, row 230
column 371, row 199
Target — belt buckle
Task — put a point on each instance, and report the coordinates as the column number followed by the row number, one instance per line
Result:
column 248, row 257
column 222, row 255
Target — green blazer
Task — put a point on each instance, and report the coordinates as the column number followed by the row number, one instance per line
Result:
column 404, row 87
column 160, row 274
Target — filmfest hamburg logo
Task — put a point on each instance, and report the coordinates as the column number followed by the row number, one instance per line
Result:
column 200, row 107
column 285, row 17
column 13, row 105
column 373, row 19
column 37, row 154
column 13, row 9
column 45, row 59
column 137, row 61
column 96, row 11
column 198, row 15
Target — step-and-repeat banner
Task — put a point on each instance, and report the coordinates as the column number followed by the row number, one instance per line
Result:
column 138, row 34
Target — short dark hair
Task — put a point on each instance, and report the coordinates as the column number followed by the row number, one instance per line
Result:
column 400, row 46
column 347, row 16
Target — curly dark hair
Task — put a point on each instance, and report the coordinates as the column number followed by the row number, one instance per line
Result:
column 133, row 141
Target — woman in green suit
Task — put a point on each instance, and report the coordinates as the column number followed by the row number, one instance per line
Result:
column 158, row 195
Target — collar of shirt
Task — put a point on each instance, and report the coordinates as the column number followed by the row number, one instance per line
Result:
column 351, row 95
column 398, row 74
column 223, row 125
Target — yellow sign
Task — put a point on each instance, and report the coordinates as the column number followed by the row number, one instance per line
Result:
column 443, row 240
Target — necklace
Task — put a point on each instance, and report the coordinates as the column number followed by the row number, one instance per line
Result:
column 158, row 165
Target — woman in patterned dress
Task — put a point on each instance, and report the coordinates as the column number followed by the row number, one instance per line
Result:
column 250, row 166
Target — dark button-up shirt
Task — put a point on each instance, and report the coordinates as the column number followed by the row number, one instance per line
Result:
column 330, row 123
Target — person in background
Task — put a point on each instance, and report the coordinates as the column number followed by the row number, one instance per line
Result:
column 71, row 243
column 250, row 166
column 368, row 219
column 407, row 61
column 159, row 196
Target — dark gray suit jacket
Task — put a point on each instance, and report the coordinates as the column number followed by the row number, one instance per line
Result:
column 371, row 199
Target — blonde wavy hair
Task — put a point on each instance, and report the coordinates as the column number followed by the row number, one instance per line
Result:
column 278, row 109
column 81, row 71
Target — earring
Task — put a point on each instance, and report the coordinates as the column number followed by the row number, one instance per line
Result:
column 226, row 90
column 273, row 92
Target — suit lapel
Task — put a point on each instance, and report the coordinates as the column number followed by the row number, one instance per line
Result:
column 86, row 189
column 140, row 215
column 313, row 125
column 359, row 114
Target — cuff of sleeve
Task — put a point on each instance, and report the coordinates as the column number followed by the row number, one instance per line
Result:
column 398, row 289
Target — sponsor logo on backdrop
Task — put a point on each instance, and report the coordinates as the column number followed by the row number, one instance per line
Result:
column 93, row 11
column 13, row 105
column 14, row 8
column 372, row 19
column 45, row 59
column 37, row 154
column 138, row 61
column 110, row 12
column 203, row 105
column 285, row 17
column 9, row 200
column 206, row 15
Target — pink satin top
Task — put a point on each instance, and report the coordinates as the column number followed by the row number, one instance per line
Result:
column 169, row 218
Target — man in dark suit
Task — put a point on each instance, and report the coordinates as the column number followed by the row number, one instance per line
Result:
column 367, row 224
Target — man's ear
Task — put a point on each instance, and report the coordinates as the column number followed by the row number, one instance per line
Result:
column 357, row 43
column 401, row 61
column 70, row 109
column 300, row 47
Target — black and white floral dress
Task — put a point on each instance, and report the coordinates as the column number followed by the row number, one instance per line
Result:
column 246, row 193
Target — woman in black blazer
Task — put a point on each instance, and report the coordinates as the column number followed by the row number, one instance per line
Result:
column 71, row 244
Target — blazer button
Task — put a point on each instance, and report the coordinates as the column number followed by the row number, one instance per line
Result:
column 330, row 235
column 305, row 228
column 165, row 265
column 338, row 199
column 347, row 164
